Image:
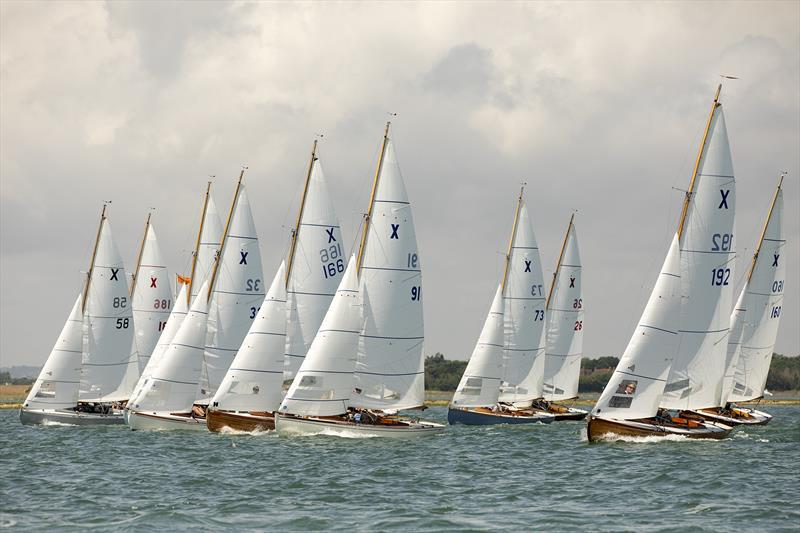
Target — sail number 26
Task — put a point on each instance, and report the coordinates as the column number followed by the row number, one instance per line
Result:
column 720, row 276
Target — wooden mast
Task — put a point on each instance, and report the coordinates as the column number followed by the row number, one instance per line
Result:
column 296, row 229
column 688, row 198
column 225, row 235
column 94, row 255
column 197, row 244
column 141, row 251
column 560, row 259
column 764, row 231
column 368, row 216
column 512, row 239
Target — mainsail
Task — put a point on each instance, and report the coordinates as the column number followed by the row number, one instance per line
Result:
column 524, row 313
column 762, row 301
column 480, row 384
column 324, row 382
column 316, row 264
column 57, row 384
column 254, row 380
column 108, row 323
column 565, row 312
column 151, row 296
column 237, row 291
column 707, row 260
column 390, row 371
column 207, row 247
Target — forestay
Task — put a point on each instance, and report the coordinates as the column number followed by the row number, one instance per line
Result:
column 565, row 317
column 108, row 325
column 763, row 301
column 236, row 294
column 707, row 261
column 174, row 382
column 390, row 371
column 152, row 297
column 324, row 382
column 316, row 268
column 57, row 384
column 524, row 299
column 637, row 385
column 255, row 379
column 176, row 317
column 480, row 384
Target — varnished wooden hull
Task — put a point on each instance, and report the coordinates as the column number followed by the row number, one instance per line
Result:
column 600, row 429
column 738, row 416
column 249, row 422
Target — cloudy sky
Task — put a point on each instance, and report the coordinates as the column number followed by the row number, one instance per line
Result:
column 599, row 106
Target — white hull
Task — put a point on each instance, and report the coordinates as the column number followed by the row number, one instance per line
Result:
column 45, row 417
column 295, row 426
column 164, row 421
column 753, row 418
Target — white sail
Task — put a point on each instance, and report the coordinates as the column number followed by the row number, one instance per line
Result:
column 734, row 347
column 763, row 303
column 390, row 369
column 316, row 269
column 255, row 379
column 565, row 314
column 58, row 382
column 176, row 317
column 108, row 325
column 637, row 385
column 152, row 297
column 208, row 245
column 524, row 316
column 707, row 261
column 480, row 384
column 324, row 382
column 174, row 382
column 236, row 294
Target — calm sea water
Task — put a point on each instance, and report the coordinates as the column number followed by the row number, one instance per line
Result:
column 468, row 479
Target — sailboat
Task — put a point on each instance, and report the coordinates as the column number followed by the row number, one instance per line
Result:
column 203, row 256
column 347, row 387
column 676, row 356
column 519, row 346
column 236, row 292
column 754, row 326
column 252, row 388
column 166, row 399
column 177, row 394
column 564, row 345
column 81, row 382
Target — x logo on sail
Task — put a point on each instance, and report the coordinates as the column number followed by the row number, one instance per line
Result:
column 395, row 227
column 571, row 283
column 153, row 283
column 331, row 238
column 243, row 260
column 775, row 261
column 527, row 266
column 114, row 272
column 724, row 201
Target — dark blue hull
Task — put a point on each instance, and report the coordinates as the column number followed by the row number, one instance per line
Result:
column 475, row 418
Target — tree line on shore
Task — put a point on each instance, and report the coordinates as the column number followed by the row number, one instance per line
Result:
column 444, row 374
